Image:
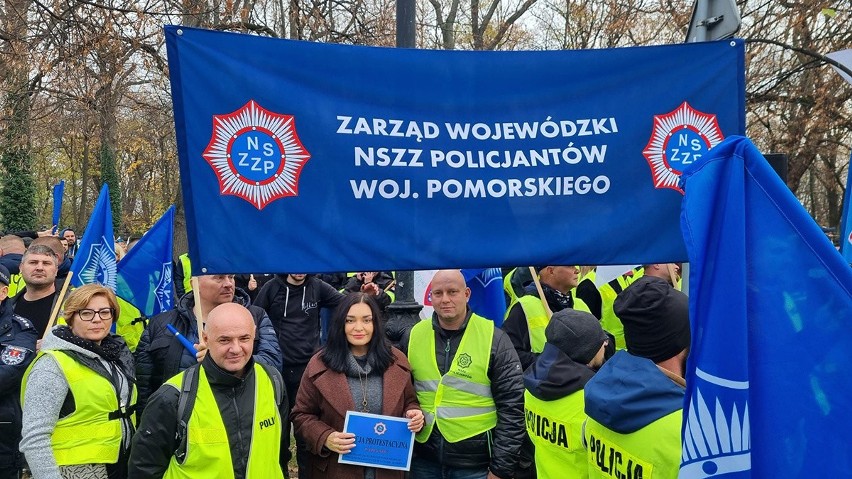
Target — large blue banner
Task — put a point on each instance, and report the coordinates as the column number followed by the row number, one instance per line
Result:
column 95, row 258
column 771, row 309
column 313, row 157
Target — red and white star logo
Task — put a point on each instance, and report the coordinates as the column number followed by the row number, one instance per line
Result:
column 256, row 154
column 679, row 138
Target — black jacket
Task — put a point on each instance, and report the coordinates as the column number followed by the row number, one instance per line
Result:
column 294, row 311
column 160, row 356
column 18, row 339
column 498, row 448
column 155, row 441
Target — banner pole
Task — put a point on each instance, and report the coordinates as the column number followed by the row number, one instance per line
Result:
column 57, row 305
column 547, row 310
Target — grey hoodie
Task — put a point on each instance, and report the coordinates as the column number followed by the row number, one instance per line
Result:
column 43, row 399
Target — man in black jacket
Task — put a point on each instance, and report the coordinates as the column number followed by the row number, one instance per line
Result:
column 160, row 355
column 17, row 350
column 242, row 393
column 493, row 453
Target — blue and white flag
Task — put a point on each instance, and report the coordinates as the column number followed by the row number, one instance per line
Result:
column 58, row 193
column 463, row 159
column 771, row 311
column 145, row 272
column 95, row 258
column 486, row 293
column 846, row 219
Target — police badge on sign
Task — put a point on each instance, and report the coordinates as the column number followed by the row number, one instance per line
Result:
column 256, row 154
column 13, row 355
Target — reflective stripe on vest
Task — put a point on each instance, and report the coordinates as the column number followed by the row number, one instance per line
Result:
column 87, row 435
column 459, row 402
column 537, row 319
column 187, row 272
column 652, row 452
column 556, row 430
column 208, row 453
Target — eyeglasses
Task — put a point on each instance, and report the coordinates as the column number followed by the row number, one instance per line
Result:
column 89, row 314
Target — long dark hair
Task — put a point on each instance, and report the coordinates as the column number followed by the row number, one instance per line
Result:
column 336, row 352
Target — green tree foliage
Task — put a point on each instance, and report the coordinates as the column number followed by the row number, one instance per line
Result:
column 18, row 196
column 109, row 175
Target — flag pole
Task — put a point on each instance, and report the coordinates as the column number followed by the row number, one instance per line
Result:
column 58, row 305
column 199, row 321
column 547, row 310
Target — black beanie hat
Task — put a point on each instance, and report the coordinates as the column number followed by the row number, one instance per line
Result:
column 578, row 334
column 655, row 318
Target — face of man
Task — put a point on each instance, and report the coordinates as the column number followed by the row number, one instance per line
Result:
column 38, row 270
column 296, row 279
column 216, row 289
column 64, row 243
column 229, row 334
column 449, row 297
column 598, row 360
column 70, row 237
column 563, row 278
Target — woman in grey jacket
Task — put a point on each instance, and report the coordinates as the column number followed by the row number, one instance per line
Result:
column 79, row 394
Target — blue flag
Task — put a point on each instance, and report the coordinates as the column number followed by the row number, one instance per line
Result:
column 95, row 259
column 145, row 272
column 58, row 193
column 469, row 156
column 771, row 312
column 846, row 219
column 486, row 293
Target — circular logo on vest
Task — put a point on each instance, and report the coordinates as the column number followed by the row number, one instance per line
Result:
column 380, row 428
column 464, row 360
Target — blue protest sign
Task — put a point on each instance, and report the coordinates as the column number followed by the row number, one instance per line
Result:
column 460, row 159
column 380, row 441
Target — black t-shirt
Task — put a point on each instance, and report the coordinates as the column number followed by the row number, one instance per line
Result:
column 38, row 311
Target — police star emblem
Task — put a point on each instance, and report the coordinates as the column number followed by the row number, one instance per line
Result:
column 100, row 265
column 380, row 428
column 464, row 360
column 679, row 138
column 256, row 154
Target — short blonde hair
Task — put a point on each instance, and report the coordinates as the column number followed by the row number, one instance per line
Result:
column 80, row 297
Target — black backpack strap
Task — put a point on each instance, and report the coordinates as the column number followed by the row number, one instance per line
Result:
column 277, row 382
column 186, row 401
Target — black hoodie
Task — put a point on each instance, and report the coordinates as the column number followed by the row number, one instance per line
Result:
column 294, row 312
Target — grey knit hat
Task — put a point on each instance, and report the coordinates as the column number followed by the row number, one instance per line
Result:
column 578, row 334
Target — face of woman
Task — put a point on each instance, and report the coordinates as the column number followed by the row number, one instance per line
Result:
column 97, row 328
column 359, row 328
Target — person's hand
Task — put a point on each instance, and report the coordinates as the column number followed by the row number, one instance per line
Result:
column 340, row 442
column 202, row 351
column 47, row 232
column 371, row 289
column 252, row 284
column 416, row 420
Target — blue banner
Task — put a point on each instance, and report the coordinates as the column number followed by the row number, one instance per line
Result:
column 770, row 305
column 846, row 219
column 58, row 193
column 95, row 258
column 144, row 275
column 424, row 159
column 486, row 293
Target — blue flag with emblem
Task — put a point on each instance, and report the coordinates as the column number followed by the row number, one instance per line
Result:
column 846, row 219
column 467, row 158
column 486, row 293
column 95, row 258
column 144, row 277
column 771, row 312
column 58, row 193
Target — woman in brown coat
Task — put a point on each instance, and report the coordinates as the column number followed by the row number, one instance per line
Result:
column 358, row 370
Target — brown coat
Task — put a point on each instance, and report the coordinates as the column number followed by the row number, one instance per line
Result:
column 321, row 405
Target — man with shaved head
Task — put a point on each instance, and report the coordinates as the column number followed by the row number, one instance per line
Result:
column 233, row 409
column 470, row 386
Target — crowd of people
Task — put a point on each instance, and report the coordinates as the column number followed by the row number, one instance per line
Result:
column 580, row 381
